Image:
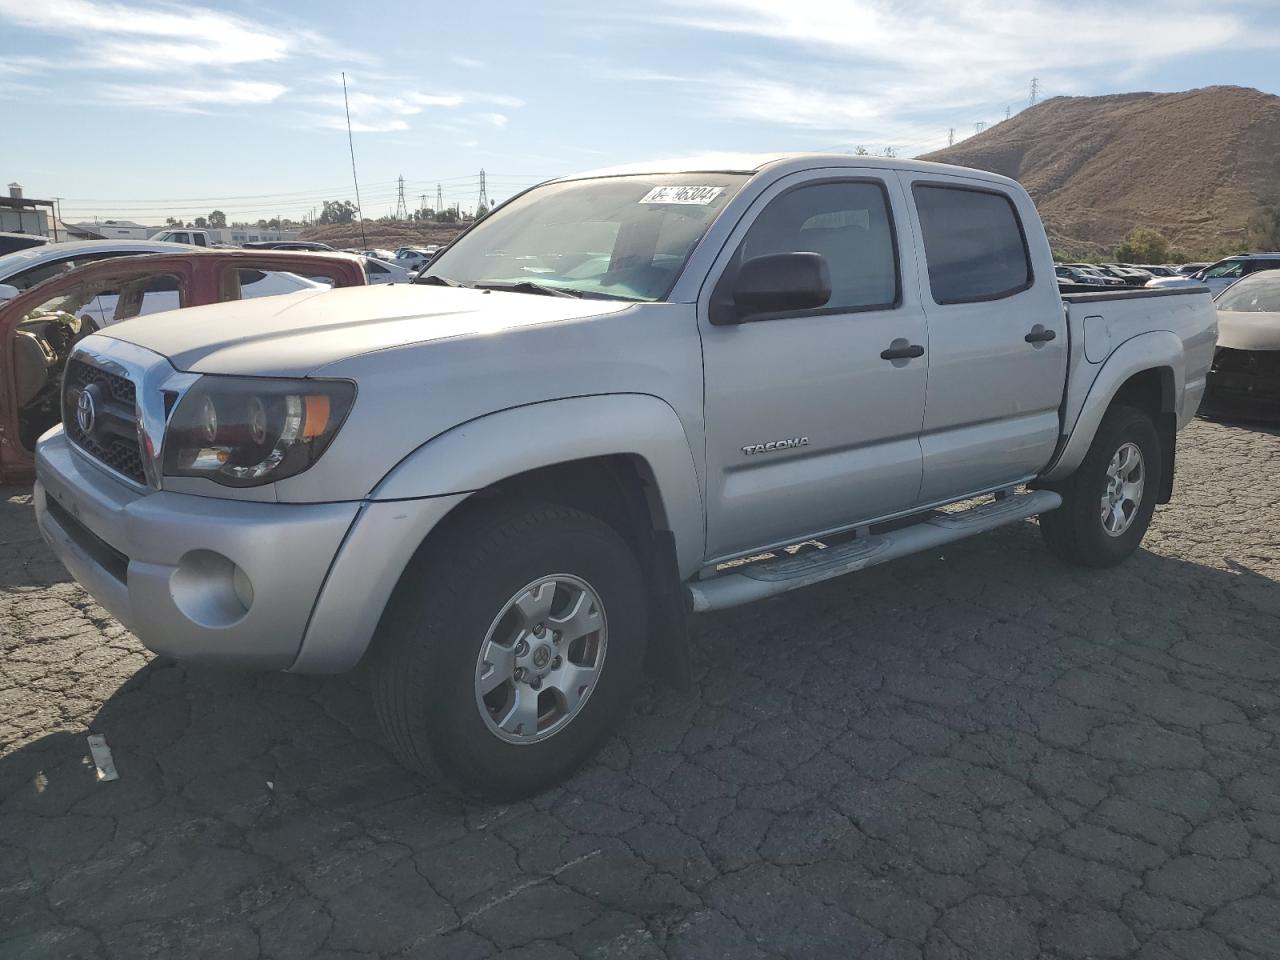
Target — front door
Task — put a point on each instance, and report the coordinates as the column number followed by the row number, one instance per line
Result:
column 997, row 337
column 813, row 417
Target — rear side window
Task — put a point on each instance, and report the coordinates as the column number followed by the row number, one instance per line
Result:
column 848, row 223
column 974, row 244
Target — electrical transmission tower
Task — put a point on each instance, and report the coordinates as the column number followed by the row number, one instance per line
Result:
column 1008, row 111
column 483, row 202
column 402, row 208
column 979, row 126
column 439, row 199
column 951, row 137
column 1035, row 90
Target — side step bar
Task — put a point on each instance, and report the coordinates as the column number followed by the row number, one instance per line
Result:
column 771, row 577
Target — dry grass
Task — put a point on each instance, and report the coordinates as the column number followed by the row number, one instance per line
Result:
column 1192, row 165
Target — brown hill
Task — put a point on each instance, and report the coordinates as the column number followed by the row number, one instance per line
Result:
column 383, row 235
column 1192, row 165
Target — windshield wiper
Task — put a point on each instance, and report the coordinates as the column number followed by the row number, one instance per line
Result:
column 527, row 286
column 439, row 281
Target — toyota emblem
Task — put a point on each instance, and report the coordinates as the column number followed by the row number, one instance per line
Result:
column 86, row 412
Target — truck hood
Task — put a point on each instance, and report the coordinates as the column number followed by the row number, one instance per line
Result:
column 295, row 334
column 1248, row 330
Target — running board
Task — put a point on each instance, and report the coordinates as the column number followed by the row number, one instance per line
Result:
column 770, row 577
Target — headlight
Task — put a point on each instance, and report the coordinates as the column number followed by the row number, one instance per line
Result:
column 244, row 432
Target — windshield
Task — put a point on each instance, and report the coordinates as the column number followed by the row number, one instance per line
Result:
column 1257, row 294
column 618, row 237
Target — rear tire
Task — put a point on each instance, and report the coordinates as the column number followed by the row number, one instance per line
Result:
column 532, row 708
column 1108, row 502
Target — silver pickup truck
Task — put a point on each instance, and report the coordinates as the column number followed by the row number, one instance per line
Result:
column 619, row 398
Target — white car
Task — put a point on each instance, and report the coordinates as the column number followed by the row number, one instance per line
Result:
column 415, row 258
column 24, row 269
column 384, row 271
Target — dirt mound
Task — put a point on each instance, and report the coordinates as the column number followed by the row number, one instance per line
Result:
column 383, row 235
column 1192, row 165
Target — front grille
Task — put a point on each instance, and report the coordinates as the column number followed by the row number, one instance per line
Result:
column 113, row 439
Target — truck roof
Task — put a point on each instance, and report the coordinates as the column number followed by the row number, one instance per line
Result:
column 749, row 163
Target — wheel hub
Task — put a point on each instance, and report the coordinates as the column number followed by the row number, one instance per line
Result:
column 541, row 658
column 1126, row 479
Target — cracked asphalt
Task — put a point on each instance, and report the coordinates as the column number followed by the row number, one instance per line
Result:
column 973, row 753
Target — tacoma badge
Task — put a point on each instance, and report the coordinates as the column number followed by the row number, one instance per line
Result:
column 772, row 445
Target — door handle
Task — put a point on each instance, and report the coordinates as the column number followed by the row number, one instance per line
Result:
column 901, row 350
column 1040, row 334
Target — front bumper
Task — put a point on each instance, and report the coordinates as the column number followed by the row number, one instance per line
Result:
column 196, row 578
column 1244, row 383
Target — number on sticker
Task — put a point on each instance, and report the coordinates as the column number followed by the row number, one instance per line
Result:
column 699, row 196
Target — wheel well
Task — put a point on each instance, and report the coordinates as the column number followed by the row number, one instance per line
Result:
column 620, row 490
column 1152, row 391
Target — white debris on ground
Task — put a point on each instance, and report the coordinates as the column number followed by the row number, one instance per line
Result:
column 102, row 757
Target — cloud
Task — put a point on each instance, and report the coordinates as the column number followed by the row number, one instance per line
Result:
column 872, row 70
column 23, row 66
column 127, row 36
column 234, row 93
column 467, row 62
column 374, row 113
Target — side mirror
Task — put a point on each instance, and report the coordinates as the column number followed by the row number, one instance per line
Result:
column 8, row 291
column 777, row 283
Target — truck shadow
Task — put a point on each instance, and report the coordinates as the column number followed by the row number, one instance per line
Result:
column 794, row 695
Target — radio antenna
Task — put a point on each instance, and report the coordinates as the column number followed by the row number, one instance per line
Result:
column 352, row 145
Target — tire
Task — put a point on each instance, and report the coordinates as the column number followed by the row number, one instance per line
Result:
column 1077, row 531
column 427, row 671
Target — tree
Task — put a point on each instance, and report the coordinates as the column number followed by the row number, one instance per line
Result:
column 447, row 216
column 1263, row 228
column 337, row 211
column 172, row 222
column 201, row 222
column 482, row 211
column 217, row 219
column 1143, row 245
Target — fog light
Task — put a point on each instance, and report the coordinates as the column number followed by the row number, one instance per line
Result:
column 210, row 590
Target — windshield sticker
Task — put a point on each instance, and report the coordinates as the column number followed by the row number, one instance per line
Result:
column 699, row 196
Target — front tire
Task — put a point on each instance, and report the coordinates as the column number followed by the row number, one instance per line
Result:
column 1108, row 502
column 511, row 648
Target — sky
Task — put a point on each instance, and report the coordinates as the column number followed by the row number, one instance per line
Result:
column 141, row 109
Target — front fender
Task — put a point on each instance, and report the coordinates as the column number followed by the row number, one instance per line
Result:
column 480, row 453
column 427, row 485
column 1148, row 351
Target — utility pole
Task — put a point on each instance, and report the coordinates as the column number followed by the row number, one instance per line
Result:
column 1008, row 111
column 402, row 208
column 1035, row 90
column 423, row 206
column 484, row 194
column 951, row 137
column 57, row 215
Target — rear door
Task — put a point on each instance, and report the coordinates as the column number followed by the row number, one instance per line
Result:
column 997, row 336
column 808, row 427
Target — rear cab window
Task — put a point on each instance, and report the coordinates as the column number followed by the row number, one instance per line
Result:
column 974, row 243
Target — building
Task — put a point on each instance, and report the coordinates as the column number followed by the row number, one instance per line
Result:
column 21, row 215
column 111, row 230
column 128, row 230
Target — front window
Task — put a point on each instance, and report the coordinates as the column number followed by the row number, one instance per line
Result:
column 1228, row 268
column 1258, row 294
column 618, row 237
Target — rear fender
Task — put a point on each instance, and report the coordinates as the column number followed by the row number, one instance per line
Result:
column 1149, row 351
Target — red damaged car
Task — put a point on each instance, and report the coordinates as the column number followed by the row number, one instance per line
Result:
column 39, row 326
